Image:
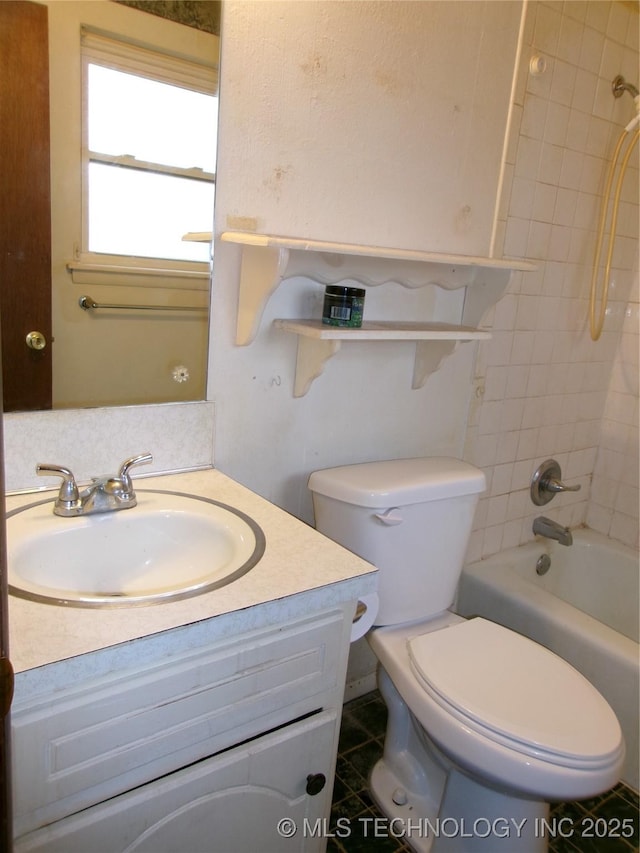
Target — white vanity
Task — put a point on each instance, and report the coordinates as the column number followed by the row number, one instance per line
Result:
column 203, row 724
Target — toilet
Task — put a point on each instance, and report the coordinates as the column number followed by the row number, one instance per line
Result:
column 485, row 727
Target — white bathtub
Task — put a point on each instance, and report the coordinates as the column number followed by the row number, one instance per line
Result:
column 585, row 608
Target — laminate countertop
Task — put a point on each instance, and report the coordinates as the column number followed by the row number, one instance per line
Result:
column 300, row 572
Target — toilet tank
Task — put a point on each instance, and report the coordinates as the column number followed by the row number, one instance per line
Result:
column 411, row 518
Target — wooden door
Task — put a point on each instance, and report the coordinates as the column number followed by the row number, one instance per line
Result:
column 6, row 673
column 25, row 205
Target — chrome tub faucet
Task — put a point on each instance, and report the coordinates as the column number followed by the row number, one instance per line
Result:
column 544, row 526
column 103, row 494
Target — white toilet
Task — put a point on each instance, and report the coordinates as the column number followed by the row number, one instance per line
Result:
column 485, row 727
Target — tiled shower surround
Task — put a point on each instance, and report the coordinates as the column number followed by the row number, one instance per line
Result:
column 543, row 388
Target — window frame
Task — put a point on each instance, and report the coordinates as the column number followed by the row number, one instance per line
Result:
column 113, row 51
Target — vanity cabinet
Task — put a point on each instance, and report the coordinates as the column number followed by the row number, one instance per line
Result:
column 208, row 748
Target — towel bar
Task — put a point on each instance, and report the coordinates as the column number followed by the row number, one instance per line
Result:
column 89, row 304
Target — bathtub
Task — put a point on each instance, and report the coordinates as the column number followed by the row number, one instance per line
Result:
column 585, row 608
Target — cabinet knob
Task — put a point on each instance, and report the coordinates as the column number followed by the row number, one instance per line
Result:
column 315, row 783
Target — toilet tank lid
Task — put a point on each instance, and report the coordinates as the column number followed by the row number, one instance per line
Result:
column 398, row 482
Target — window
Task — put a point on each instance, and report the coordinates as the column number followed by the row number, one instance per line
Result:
column 149, row 150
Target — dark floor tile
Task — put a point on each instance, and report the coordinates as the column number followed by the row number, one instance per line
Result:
column 594, row 803
column 364, row 757
column 562, row 845
column 616, row 817
column 368, row 800
column 359, row 701
column 346, row 809
column 565, row 812
column 340, row 790
column 366, row 834
column 373, row 716
column 629, row 795
column 352, row 733
column 350, row 777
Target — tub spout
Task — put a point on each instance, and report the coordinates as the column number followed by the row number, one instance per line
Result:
column 552, row 530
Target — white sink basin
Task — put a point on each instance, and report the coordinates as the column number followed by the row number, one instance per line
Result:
column 170, row 546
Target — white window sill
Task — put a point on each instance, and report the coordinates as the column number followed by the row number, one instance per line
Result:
column 141, row 272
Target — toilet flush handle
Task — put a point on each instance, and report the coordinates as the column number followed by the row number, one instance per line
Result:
column 389, row 516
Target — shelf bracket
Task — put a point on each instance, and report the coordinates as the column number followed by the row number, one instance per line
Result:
column 429, row 357
column 261, row 272
column 313, row 353
column 489, row 288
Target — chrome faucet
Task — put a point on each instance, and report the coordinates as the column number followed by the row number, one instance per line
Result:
column 103, row 494
column 547, row 482
column 552, row 530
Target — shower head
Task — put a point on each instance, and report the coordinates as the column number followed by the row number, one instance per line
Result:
column 620, row 85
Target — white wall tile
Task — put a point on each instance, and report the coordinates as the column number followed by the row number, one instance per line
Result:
column 559, row 384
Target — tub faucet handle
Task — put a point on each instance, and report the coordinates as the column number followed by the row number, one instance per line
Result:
column 553, row 485
column 547, row 482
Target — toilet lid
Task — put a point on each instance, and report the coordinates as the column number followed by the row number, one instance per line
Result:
column 516, row 690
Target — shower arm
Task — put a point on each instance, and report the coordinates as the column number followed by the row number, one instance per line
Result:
column 619, row 85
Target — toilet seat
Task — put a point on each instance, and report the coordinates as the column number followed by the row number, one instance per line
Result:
column 516, row 693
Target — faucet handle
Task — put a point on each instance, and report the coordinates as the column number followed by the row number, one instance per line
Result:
column 128, row 464
column 546, row 482
column 553, row 485
column 68, row 495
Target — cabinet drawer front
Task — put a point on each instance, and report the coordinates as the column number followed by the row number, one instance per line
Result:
column 97, row 741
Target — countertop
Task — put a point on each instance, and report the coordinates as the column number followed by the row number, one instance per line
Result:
column 299, row 565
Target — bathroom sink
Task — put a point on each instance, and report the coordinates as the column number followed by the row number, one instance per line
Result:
column 169, row 546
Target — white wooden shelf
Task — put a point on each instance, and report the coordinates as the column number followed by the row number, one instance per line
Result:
column 267, row 260
column 318, row 342
column 247, row 238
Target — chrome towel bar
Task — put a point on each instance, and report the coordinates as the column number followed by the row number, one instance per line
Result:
column 89, row 304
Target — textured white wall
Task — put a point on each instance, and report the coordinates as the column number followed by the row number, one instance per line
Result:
column 354, row 122
column 366, row 122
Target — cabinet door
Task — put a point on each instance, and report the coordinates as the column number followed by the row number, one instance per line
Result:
column 229, row 803
column 113, row 734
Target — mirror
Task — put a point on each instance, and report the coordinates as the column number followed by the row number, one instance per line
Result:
column 122, row 331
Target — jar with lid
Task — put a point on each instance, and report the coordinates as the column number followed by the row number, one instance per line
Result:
column 343, row 306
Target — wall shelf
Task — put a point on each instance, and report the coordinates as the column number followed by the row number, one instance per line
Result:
column 267, row 260
column 318, row 342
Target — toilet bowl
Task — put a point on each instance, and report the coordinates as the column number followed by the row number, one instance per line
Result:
column 485, row 727
column 504, row 708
